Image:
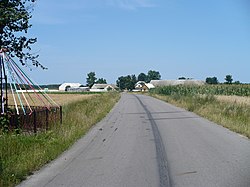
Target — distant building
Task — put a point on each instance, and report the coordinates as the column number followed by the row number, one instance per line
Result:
column 103, row 87
column 79, row 89
column 158, row 83
column 143, row 86
column 66, row 86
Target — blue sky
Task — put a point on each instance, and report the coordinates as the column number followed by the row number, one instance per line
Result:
column 190, row 38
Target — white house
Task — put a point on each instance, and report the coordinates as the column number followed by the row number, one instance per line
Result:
column 143, row 86
column 66, row 86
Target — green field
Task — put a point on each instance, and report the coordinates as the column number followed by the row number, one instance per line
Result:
column 221, row 89
column 223, row 104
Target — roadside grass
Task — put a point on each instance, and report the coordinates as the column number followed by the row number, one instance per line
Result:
column 232, row 115
column 234, row 99
column 20, row 155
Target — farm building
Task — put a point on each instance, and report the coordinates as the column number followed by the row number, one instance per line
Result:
column 66, row 86
column 157, row 83
column 78, row 89
column 143, row 86
column 103, row 87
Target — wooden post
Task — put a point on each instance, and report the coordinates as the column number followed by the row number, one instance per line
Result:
column 6, row 93
column 47, row 119
column 35, row 122
column 61, row 115
column 1, row 82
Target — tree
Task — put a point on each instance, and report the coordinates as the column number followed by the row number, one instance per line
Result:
column 121, row 83
column 182, row 78
column 126, row 82
column 142, row 77
column 153, row 75
column 101, row 81
column 91, row 79
column 212, row 80
column 14, row 25
column 133, row 82
column 228, row 79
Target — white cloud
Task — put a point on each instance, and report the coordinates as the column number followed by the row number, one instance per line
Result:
column 59, row 11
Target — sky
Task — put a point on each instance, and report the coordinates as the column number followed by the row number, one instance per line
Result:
column 113, row 38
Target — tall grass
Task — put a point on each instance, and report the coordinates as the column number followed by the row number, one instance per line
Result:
column 232, row 115
column 20, row 155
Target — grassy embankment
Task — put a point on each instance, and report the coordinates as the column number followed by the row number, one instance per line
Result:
column 20, row 155
column 225, row 109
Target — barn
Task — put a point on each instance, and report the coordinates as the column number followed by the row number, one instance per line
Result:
column 103, row 87
column 66, row 86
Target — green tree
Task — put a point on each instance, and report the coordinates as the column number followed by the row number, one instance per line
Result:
column 14, row 25
column 101, row 81
column 121, row 83
column 126, row 82
column 212, row 80
column 153, row 75
column 182, row 78
column 91, row 79
column 133, row 82
column 228, row 79
column 237, row 82
column 142, row 77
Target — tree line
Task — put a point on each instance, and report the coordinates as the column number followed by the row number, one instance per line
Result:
column 126, row 82
column 228, row 80
column 214, row 80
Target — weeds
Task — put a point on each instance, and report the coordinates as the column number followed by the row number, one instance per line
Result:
column 20, row 155
column 231, row 115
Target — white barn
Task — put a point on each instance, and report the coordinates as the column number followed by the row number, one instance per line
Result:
column 102, row 87
column 69, row 85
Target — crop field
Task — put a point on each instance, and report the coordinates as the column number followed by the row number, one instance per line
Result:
column 227, row 105
column 63, row 99
column 221, row 89
column 60, row 99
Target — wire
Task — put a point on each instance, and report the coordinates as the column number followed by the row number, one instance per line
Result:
column 19, row 81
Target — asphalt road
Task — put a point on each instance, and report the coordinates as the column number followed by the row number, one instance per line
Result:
column 146, row 142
